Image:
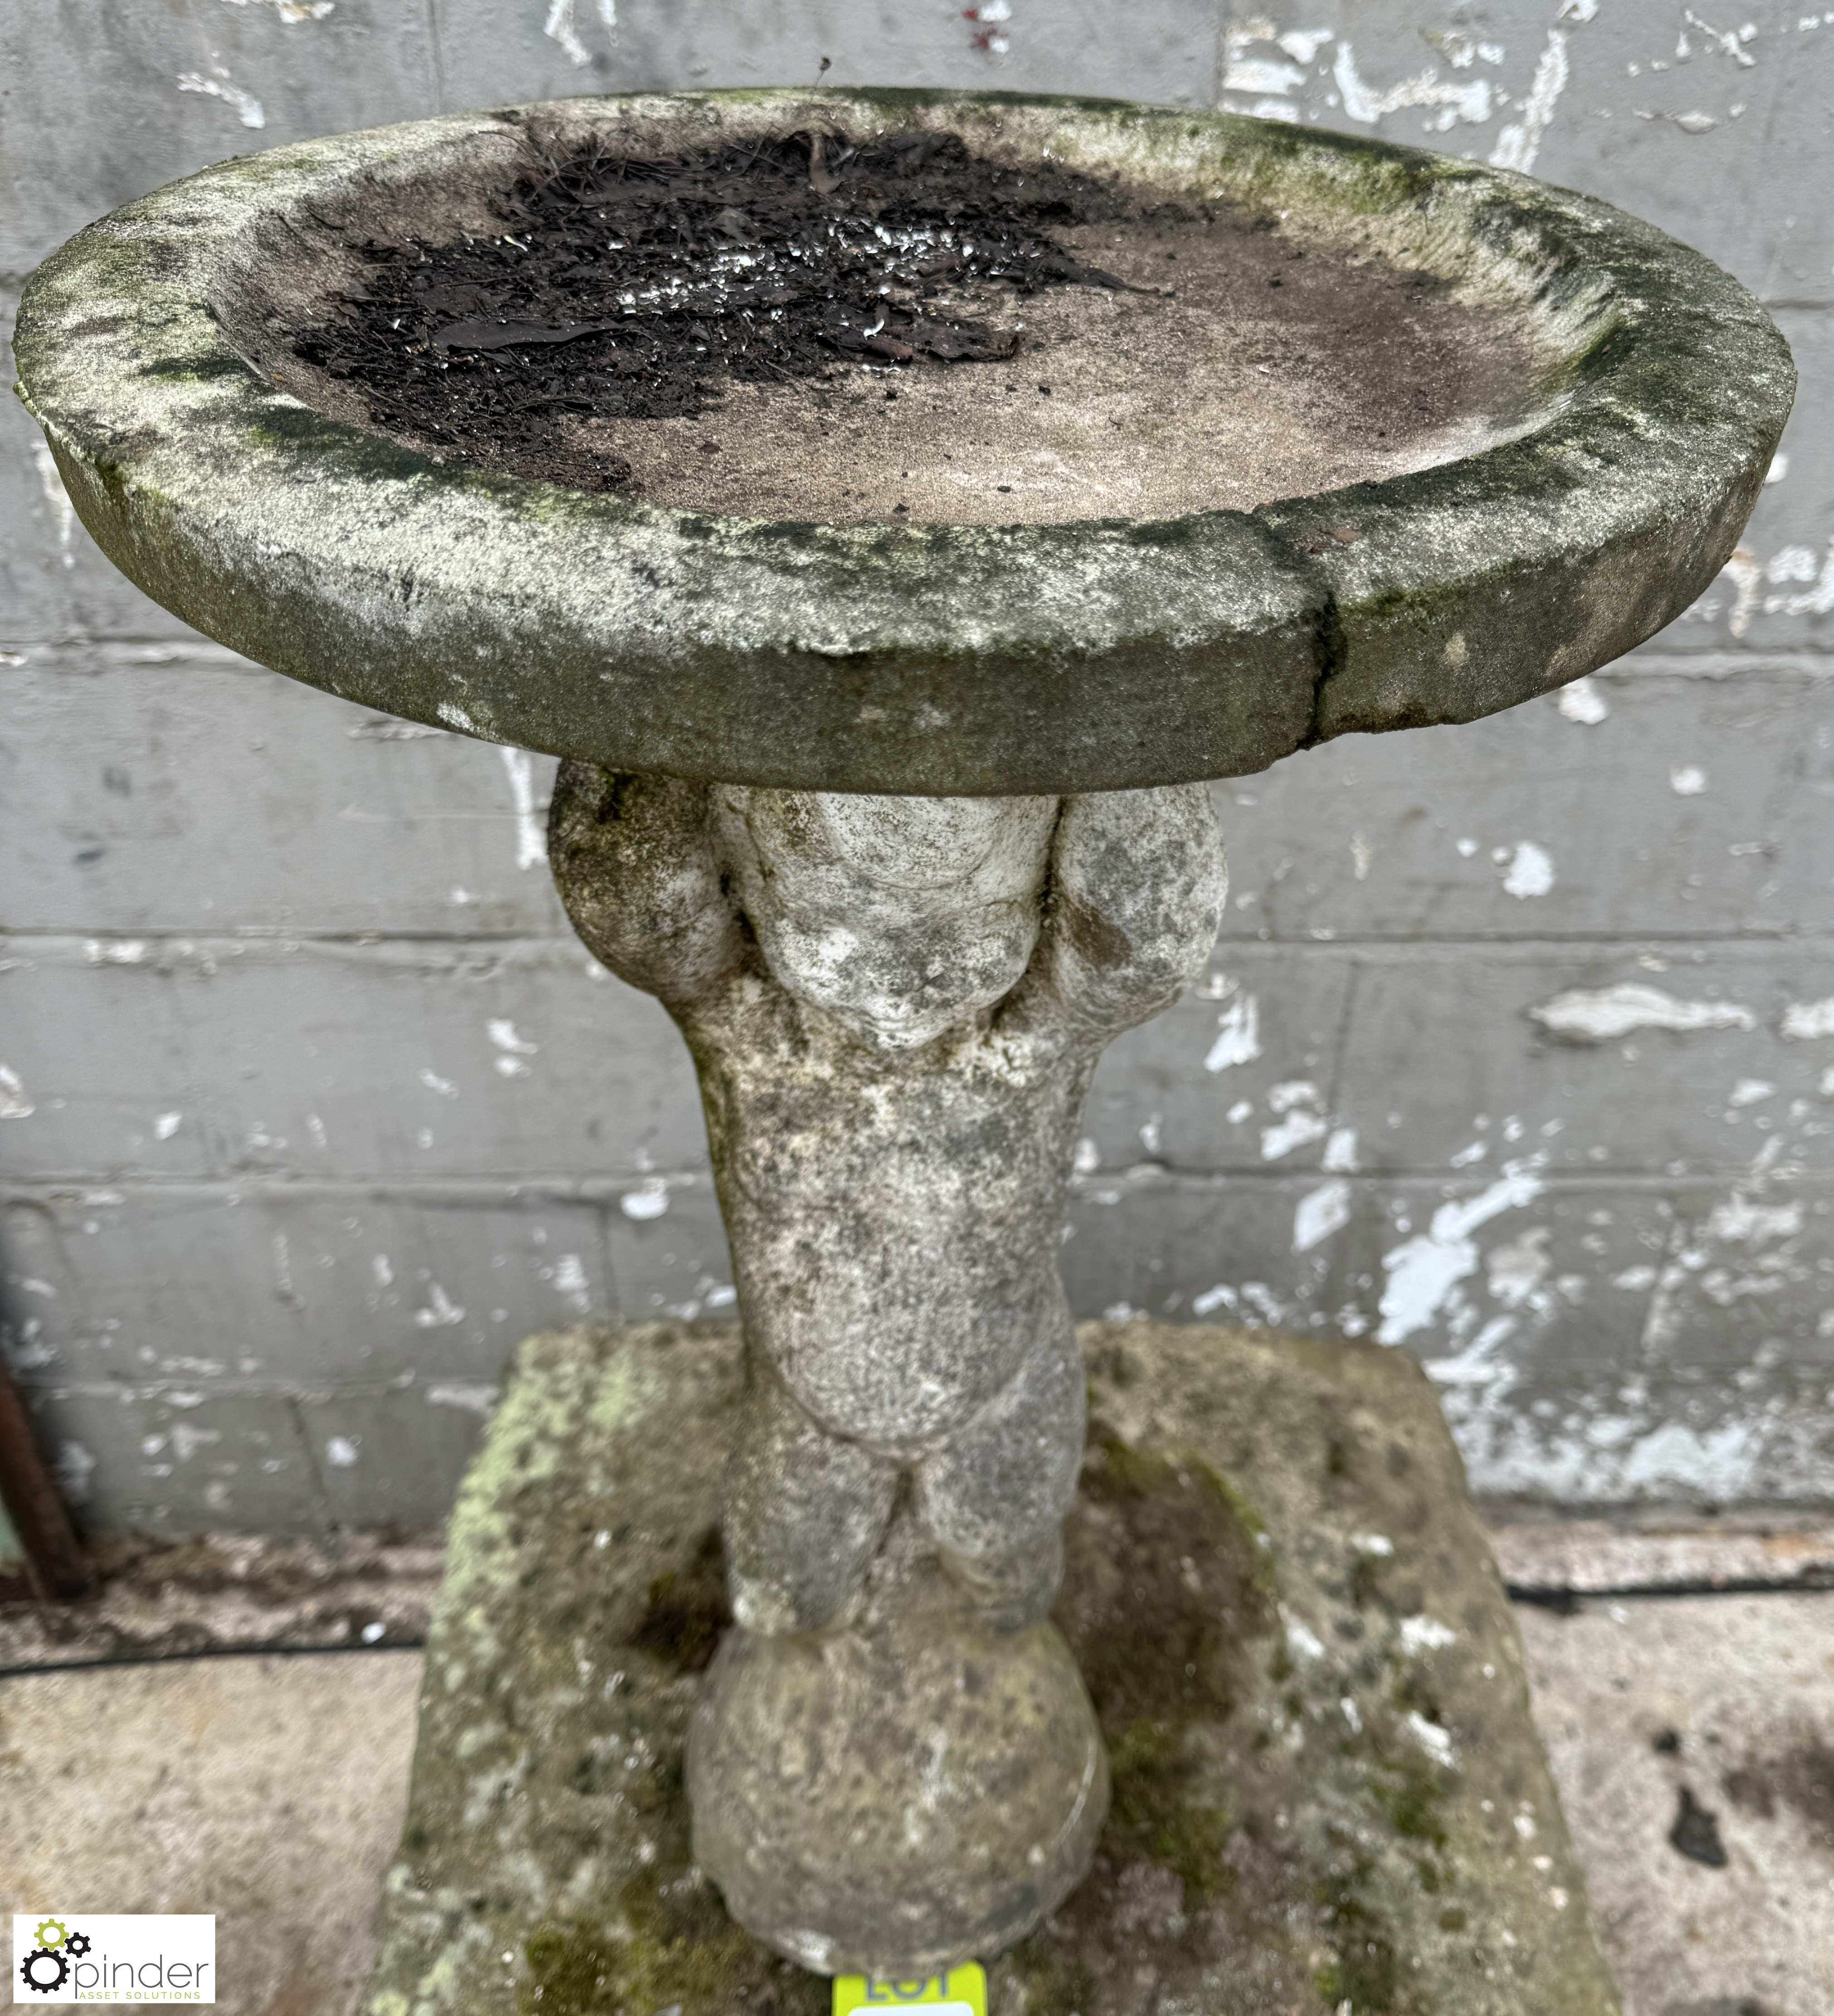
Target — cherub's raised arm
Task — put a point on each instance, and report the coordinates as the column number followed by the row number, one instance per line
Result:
column 1138, row 886
column 634, row 860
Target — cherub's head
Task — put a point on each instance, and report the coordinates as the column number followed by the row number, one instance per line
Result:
column 903, row 917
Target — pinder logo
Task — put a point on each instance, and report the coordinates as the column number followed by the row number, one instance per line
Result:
column 114, row 1957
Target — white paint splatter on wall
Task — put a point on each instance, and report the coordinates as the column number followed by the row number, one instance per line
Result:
column 244, row 104
column 1582, row 702
column 1604, row 1014
column 1748, row 575
column 532, row 843
column 1518, row 145
column 1471, row 103
column 560, row 27
column 1806, row 1021
column 290, row 11
column 1424, row 1270
column 440, row 1312
column 474, row 1398
column 1320, row 1213
column 513, row 1049
column 1239, row 1035
column 649, row 1199
column 63, row 513
column 1531, row 871
column 1300, row 1124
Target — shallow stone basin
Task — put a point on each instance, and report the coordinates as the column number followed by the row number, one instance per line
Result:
column 1190, row 566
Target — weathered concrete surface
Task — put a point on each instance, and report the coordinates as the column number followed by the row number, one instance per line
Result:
column 893, row 1130
column 894, row 1006
column 1729, row 1700
column 159, row 789
column 904, row 1791
column 1326, row 1786
column 267, row 1790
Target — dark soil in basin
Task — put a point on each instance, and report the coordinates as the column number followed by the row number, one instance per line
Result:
column 805, row 328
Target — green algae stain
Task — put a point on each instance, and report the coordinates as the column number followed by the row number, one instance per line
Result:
column 1365, row 1972
column 1050, row 1977
column 687, row 1610
column 675, row 1947
column 570, row 1973
column 1166, row 1554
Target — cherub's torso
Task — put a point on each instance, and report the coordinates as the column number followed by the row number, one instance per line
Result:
column 895, row 1233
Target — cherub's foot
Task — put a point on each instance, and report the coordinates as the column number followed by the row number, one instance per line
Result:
column 1007, row 1591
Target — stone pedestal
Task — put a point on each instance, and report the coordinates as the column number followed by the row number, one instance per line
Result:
column 1327, row 1789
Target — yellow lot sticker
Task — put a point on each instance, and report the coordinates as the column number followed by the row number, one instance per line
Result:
column 961, row 1991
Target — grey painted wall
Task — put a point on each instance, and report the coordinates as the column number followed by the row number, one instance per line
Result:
column 312, row 1106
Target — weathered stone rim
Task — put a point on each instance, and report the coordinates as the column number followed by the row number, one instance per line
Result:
column 1079, row 656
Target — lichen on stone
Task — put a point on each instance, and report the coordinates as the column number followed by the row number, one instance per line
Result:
column 1276, row 1582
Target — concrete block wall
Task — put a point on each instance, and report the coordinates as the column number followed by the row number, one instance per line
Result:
column 1517, row 1052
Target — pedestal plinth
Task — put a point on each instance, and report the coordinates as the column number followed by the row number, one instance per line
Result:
column 1327, row 1790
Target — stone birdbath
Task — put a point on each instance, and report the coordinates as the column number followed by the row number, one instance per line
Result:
column 895, row 506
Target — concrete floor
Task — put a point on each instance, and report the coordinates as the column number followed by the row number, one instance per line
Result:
column 1730, row 1697
column 270, row 1790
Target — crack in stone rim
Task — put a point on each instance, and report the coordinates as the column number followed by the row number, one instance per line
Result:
column 1222, row 640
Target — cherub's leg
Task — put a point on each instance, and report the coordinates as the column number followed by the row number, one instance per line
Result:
column 995, row 1493
column 806, row 1512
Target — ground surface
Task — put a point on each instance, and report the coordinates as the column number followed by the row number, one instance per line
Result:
column 268, row 1791
column 271, row 1790
column 1729, row 1699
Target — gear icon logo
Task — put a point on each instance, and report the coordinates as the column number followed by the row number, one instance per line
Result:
column 52, row 1932
column 77, row 1944
column 45, row 1970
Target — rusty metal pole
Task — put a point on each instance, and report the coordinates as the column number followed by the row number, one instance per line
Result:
column 55, row 1562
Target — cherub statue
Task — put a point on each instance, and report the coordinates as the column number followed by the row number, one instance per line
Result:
column 894, row 1006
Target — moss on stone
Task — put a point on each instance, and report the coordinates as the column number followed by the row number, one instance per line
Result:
column 687, row 1610
column 1268, row 1848
column 1164, row 1515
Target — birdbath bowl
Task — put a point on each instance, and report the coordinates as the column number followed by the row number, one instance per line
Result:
column 895, row 506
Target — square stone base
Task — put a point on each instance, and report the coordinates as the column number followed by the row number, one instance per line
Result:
column 1329, row 1797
